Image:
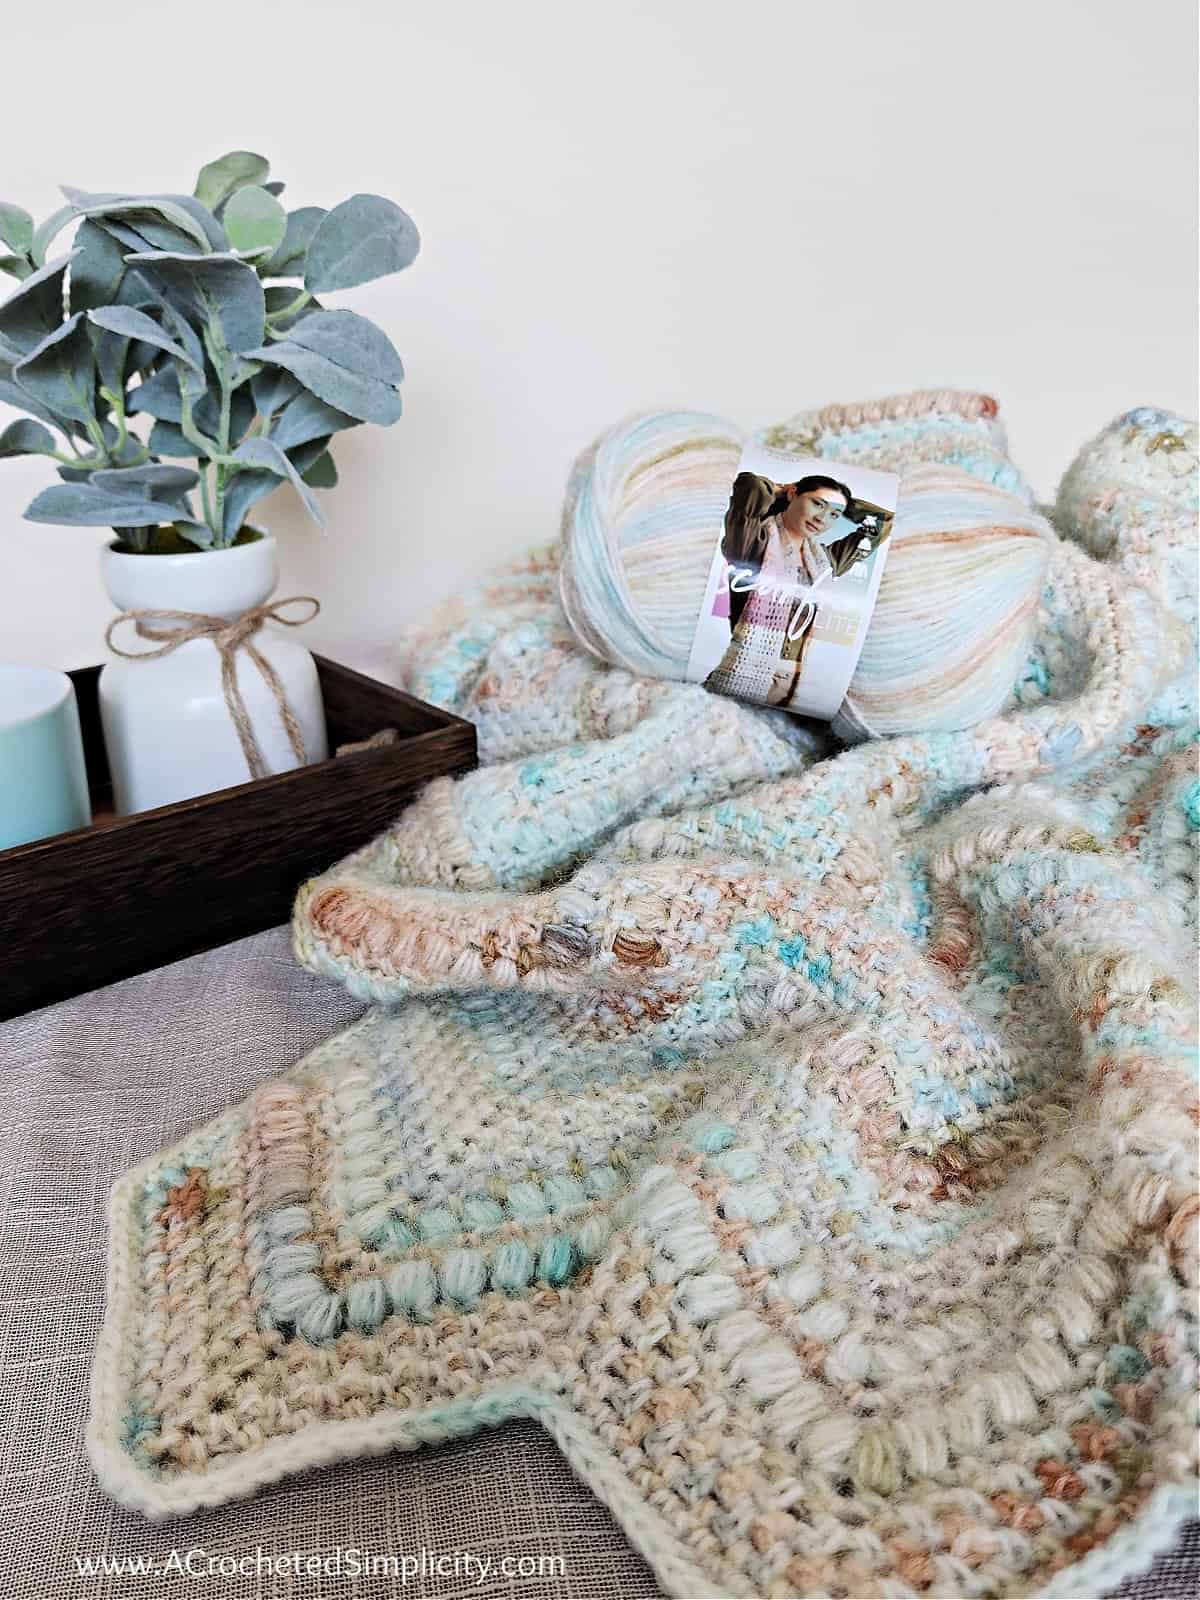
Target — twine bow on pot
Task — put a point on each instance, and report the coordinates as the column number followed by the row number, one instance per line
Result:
column 229, row 638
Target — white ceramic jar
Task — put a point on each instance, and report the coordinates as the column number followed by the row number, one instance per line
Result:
column 167, row 727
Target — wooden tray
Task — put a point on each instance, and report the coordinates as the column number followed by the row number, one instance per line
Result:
column 82, row 909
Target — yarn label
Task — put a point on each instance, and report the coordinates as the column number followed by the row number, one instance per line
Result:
column 793, row 581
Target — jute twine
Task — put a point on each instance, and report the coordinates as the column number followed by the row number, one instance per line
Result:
column 173, row 628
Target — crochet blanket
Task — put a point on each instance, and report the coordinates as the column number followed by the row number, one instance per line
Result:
column 808, row 1144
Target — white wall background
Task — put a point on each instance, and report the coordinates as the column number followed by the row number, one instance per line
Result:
column 746, row 208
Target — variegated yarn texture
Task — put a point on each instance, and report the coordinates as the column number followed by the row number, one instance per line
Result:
column 809, row 1144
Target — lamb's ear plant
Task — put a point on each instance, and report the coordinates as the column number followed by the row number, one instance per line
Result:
column 176, row 362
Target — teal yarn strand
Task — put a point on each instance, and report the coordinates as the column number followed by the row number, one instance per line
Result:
column 951, row 631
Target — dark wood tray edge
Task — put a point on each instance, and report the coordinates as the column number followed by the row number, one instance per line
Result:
column 83, row 909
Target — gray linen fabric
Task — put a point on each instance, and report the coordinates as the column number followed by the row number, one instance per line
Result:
column 87, row 1089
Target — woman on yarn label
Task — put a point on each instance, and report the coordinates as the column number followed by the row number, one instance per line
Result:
column 793, row 581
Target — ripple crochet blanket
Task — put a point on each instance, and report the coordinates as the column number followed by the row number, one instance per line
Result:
column 809, row 1144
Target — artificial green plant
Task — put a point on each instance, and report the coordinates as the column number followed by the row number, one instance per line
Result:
column 198, row 313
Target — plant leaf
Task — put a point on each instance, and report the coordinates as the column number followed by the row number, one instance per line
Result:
column 98, row 269
column 267, row 456
column 254, row 221
column 35, row 307
column 16, row 228
column 288, row 259
column 272, row 388
column 194, row 376
column 242, row 412
column 157, row 481
column 306, row 417
column 365, row 237
column 161, row 300
column 127, row 237
column 137, row 325
column 143, row 223
column 158, row 396
column 147, row 358
column 16, row 266
column 345, row 360
column 145, row 206
column 218, row 289
column 152, row 235
column 218, row 179
column 82, row 505
column 168, row 440
column 14, row 396
column 201, row 216
column 244, row 490
column 197, row 533
column 26, row 438
column 111, row 354
column 323, row 473
column 206, row 412
column 350, row 341
column 136, row 292
column 53, row 225
column 143, row 230
column 302, row 456
column 60, row 372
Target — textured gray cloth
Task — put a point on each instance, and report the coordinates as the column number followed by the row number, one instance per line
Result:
column 89, row 1088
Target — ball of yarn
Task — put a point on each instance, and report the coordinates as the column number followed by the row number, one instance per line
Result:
column 950, row 633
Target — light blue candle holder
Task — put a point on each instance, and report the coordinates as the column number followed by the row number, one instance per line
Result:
column 43, row 781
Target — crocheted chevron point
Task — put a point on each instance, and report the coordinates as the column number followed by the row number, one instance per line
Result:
column 809, row 1144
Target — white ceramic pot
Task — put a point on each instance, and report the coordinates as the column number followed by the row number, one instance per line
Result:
column 167, row 726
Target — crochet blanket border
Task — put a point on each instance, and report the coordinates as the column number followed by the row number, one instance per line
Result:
column 1129, row 1553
